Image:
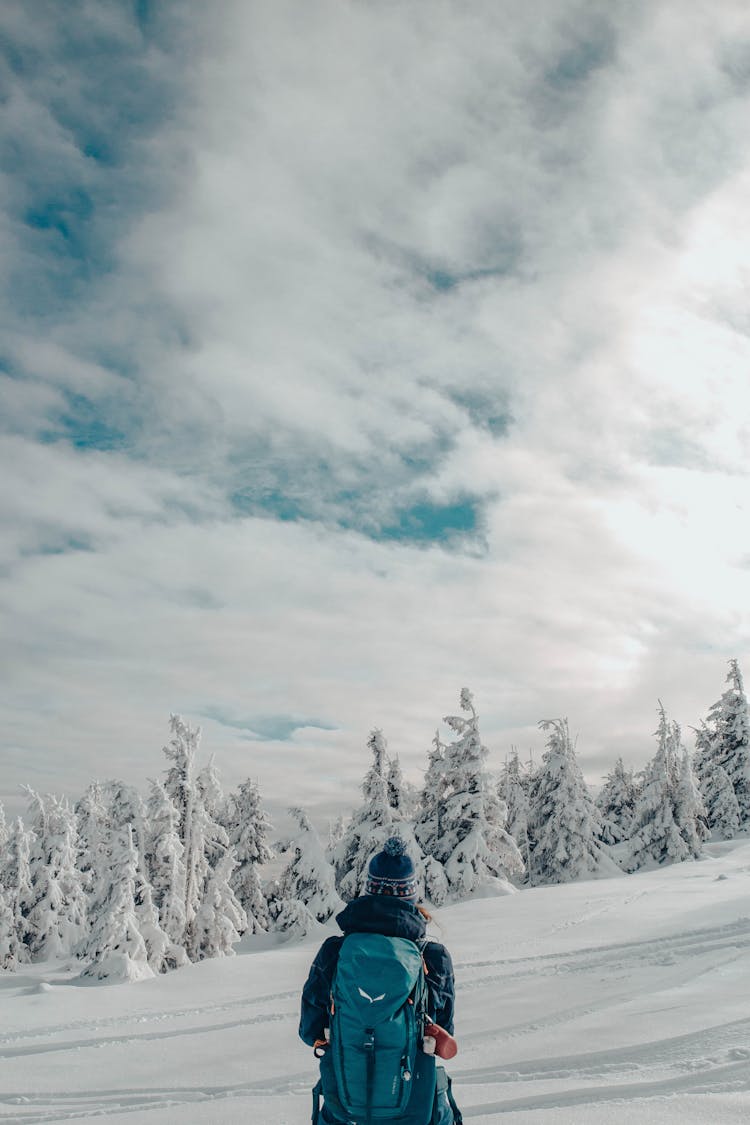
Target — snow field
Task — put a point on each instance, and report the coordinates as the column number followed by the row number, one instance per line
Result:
column 625, row 1000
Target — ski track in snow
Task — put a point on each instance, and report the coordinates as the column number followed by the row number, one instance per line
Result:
column 713, row 1059
column 731, row 935
column 152, row 1017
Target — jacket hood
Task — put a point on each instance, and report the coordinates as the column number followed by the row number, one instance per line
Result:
column 378, row 914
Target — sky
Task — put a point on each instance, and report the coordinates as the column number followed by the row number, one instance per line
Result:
column 355, row 352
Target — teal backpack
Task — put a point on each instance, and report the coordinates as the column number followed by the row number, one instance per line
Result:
column 374, row 1069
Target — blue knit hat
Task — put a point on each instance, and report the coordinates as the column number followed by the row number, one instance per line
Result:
column 391, row 872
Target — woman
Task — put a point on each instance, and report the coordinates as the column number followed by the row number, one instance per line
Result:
column 388, row 907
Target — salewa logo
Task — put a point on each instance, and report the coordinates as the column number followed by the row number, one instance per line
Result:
column 372, row 999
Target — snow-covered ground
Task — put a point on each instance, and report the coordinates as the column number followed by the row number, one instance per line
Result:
column 625, row 1000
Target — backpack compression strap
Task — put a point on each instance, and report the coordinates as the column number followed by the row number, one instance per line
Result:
column 457, row 1117
column 317, row 1094
column 370, row 1077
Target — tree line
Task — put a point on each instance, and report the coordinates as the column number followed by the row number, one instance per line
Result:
column 132, row 886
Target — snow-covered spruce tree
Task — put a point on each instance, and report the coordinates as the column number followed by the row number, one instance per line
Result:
column 689, row 810
column 308, row 877
column 3, row 834
column 293, row 918
column 211, row 803
column 248, row 829
column 165, row 868
column 728, row 725
column 15, row 882
column 213, row 858
column 336, row 829
column 126, row 808
column 514, row 791
column 720, row 802
column 8, row 940
column 474, row 847
column 212, row 794
column 92, row 815
column 369, row 827
column 394, row 780
column 220, row 920
column 180, row 787
column 616, row 804
column 564, row 824
column 203, row 838
column 56, row 916
column 402, row 795
column 428, row 823
column 657, row 837
column 117, row 947
column 161, row 952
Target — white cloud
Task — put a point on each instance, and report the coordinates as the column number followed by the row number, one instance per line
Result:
column 382, row 256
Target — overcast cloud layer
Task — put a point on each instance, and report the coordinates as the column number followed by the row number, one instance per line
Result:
column 355, row 352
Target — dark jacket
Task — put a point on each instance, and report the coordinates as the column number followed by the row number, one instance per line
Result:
column 376, row 914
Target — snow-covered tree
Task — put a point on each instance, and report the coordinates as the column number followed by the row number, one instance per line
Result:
column 395, row 783
column 165, row 868
column 336, row 829
column 126, row 809
column 616, row 804
column 474, row 847
column 220, row 920
column 428, row 823
column 689, row 811
column 8, row 936
column 657, row 835
column 293, row 918
column 564, row 825
column 720, row 802
column 212, row 804
column 57, row 908
column 92, row 813
column 15, row 889
column 211, row 853
column 180, row 786
column 402, row 795
column 211, row 791
column 308, row 877
column 3, row 834
column 117, row 948
column 514, row 791
column 197, row 798
column 725, row 742
column 248, row 828
column 15, row 883
column 369, row 827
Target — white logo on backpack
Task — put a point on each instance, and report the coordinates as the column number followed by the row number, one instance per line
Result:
column 372, row 999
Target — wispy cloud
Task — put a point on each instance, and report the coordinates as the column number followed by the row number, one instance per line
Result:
column 355, row 352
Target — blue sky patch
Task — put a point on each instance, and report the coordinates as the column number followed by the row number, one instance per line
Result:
column 426, row 522
column 272, row 502
column 86, row 426
column 67, row 217
column 64, row 545
column 487, row 412
column 265, row 728
column 576, row 63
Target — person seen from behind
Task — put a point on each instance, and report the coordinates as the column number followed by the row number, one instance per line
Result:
column 377, row 1007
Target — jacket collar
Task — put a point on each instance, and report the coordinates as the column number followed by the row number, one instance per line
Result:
column 377, row 914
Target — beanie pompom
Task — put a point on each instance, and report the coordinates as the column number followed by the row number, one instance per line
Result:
column 394, row 846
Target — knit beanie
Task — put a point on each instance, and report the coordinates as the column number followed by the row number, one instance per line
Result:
column 391, row 872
